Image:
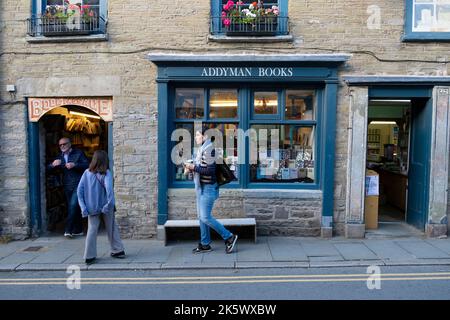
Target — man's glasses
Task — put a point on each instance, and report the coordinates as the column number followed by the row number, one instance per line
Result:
column 63, row 144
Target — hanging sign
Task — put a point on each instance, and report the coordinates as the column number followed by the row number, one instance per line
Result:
column 37, row 107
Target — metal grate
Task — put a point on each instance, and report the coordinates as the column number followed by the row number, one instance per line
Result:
column 53, row 27
column 33, row 249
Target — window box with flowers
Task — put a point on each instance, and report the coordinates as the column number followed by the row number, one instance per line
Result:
column 67, row 21
column 249, row 18
column 252, row 19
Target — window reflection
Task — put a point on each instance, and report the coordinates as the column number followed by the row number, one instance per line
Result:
column 266, row 102
column 223, row 103
column 299, row 105
column 291, row 161
column 431, row 16
column 223, row 150
column 189, row 103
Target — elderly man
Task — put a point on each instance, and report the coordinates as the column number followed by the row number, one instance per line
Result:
column 73, row 162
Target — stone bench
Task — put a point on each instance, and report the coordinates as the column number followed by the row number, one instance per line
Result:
column 234, row 223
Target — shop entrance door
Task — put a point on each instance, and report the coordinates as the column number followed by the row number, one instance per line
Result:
column 419, row 170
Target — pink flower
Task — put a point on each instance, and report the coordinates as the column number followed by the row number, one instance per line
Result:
column 226, row 22
column 228, row 6
column 224, row 14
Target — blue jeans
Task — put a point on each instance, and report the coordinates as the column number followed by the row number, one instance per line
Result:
column 73, row 223
column 206, row 195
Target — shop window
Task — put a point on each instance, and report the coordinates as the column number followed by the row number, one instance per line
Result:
column 215, row 107
column 266, row 136
column 427, row 20
column 52, row 18
column 249, row 17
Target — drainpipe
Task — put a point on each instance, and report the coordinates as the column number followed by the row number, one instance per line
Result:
column 34, row 179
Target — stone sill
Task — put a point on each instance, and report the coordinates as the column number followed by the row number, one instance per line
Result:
column 223, row 38
column 90, row 38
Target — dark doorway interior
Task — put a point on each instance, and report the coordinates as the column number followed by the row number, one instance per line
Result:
column 88, row 133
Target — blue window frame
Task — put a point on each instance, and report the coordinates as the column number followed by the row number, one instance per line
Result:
column 294, row 111
column 269, row 18
column 427, row 20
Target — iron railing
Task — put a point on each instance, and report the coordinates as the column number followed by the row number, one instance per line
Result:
column 259, row 26
column 52, row 27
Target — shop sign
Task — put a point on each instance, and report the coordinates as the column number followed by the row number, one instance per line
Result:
column 37, row 107
column 248, row 72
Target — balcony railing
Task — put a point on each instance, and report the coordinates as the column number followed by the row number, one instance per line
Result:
column 260, row 26
column 53, row 27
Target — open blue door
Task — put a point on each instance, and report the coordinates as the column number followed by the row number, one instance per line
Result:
column 419, row 163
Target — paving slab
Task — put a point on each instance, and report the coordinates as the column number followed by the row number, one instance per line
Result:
column 219, row 256
column 422, row 250
column 20, row 257
column 441, row 244
column 286, row 250
column 53, row 256
column 182, row 254
column 388, row 250
column 355, row 251
column 248, row 251
column 319, row 248
column 75, row 258
column 6, row 251
column 153, row 254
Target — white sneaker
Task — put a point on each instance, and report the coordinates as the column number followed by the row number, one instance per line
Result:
column 68, row 235
column 78, row 234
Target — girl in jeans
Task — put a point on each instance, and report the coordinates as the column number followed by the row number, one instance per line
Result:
column 96, row 199
column 207, row 191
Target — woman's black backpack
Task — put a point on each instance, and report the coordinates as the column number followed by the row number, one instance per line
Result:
column 224, row 174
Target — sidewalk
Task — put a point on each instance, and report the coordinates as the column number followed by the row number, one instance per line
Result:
column 56, row 253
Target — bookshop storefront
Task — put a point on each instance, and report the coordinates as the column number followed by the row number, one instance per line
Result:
column 272, row 118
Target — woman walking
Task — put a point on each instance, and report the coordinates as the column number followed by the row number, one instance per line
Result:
column 207, row 191
column 96, row 199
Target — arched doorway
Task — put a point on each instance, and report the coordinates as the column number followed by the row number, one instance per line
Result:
column 87, row 132
column 87, row 123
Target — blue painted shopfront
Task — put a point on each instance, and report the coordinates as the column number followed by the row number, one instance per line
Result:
column 247, row 74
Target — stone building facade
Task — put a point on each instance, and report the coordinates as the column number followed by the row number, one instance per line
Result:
column 122, row 63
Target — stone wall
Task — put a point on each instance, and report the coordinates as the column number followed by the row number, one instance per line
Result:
column 280, row 212
column 85, row 69
column 14, row 217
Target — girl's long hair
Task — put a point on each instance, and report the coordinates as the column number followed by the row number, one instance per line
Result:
column 99, row 163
